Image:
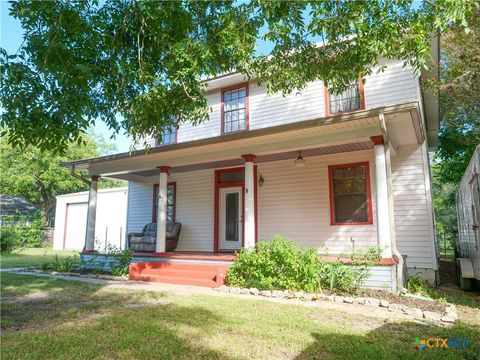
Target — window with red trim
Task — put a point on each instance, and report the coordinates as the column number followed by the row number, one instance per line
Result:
column 352, row 99
column 171, row 202
column 350, row 196
column 235, row 109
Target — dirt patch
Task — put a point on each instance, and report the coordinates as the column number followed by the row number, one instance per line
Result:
column 448, row 272
column 147, row 303
column 344, row 319
column 425, row 305
column 29, row 299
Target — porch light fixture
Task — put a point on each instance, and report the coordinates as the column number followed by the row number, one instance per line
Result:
column 300, row 161
column 261, row 180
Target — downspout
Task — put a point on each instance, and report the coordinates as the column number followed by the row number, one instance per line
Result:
column 395, row 252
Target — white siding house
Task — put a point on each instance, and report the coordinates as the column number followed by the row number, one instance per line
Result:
column 328, row 179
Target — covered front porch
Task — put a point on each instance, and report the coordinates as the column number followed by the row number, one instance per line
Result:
column 233, row 190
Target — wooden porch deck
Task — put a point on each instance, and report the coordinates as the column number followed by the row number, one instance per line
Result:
column 188, row 255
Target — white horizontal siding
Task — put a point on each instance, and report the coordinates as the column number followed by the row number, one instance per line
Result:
column 209, row 128
column 413, row 229
column 395, row 85
column 270, row 110
column 382, row 278
column 295, row 202
column 140, row 201
column 195, row 209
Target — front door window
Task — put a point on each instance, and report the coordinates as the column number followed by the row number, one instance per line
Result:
column 230, row 218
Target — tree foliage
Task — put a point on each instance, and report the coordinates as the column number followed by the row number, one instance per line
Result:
column 459, row 97
column 37, row 176
column 147, row 60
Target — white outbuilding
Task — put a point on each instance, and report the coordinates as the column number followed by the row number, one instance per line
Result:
column 71, row 219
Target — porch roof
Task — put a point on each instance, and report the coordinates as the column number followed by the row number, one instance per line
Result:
column 312, row 137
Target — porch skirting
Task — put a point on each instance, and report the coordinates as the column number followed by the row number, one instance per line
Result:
column 382, row 277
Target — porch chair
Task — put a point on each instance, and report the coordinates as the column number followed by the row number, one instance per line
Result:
column 145, row 241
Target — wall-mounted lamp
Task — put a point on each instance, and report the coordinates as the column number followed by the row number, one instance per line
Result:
column 261, row 180
column 300, row 161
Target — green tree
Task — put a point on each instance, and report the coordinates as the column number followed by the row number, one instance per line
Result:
column 444, row 206
column 459, row 98
column 37, row 176
column 145, row 60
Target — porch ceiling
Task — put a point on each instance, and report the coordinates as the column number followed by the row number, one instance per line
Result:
column 288, row 155
column 348, row 132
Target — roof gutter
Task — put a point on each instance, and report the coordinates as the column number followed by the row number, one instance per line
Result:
column 393, row 241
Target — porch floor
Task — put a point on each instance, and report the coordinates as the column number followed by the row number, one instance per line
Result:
column 188, row 255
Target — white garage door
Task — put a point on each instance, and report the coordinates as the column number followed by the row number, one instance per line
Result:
column 75, row 226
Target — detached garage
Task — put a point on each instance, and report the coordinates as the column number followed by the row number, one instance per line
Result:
column 71, row 219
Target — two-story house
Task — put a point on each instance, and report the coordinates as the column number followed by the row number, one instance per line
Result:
column 328, row 171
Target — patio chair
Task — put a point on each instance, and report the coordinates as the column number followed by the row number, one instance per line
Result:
column 145, row 241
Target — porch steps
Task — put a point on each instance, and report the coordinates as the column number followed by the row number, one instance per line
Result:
column 197, row 274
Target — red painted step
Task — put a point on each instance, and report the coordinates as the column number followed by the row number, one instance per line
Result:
column 197, row 274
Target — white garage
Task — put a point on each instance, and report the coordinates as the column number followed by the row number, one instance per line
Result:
column 71, row 219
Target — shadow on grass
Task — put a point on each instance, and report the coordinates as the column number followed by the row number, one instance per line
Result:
column 73, row 320
column 55, row 319
column 394, row 341
column 28, row 301
column 165, row 331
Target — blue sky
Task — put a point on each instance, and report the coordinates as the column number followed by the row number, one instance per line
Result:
column 11, row 39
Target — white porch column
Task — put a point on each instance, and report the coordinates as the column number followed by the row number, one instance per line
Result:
column 381, row 186
column 91, row 215
column 162, row 210
column 249, row 200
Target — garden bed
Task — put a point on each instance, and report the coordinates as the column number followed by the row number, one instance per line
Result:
column 416, row 308
column 410, row 301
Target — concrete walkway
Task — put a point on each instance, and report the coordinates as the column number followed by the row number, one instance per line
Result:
column 354, row 309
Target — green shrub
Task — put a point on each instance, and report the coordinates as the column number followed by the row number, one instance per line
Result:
column 345, row 278
column 282, row 264
column 121, row 260
column 416, row 285
column 13, row 237
column 66, row 265
column 279, row 264
column 10, row 238
column 32, row 236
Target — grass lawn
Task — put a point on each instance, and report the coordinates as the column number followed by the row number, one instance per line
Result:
column 45, row 318
column 31, row 257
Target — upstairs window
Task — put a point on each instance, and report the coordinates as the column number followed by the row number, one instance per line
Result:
column 351, row 99
column 235, row 109
column 350, row 197
column 171, row 202
column 168, row 135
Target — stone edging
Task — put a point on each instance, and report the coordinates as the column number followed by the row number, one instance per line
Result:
column 93, row 276
column 448, row 317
